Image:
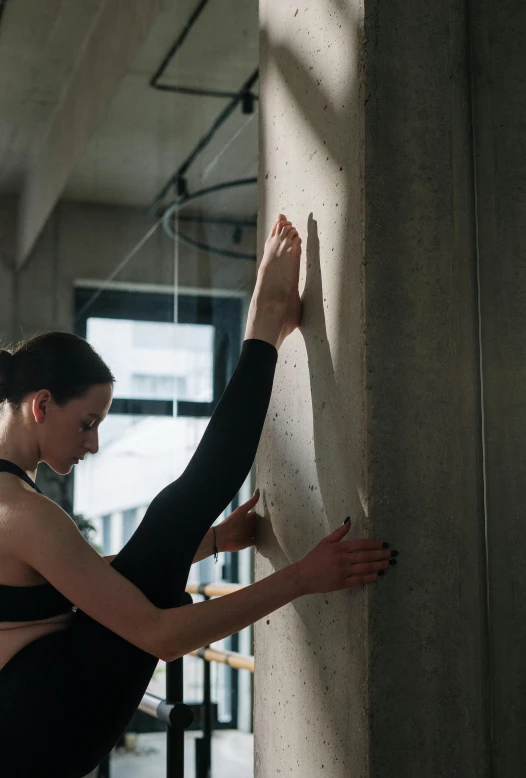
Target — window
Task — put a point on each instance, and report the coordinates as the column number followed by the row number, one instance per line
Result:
column 129, row 523
column 106, row 533
column 158, row 386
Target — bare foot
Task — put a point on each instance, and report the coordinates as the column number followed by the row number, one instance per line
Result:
column 275, row 309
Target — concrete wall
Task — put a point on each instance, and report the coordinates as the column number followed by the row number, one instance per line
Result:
column 366, row 124
column 499, row 56
column 311, row 657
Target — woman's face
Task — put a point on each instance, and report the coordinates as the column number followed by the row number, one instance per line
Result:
column 67, row 433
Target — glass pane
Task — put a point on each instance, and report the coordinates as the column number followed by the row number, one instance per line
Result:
column 156, row 360
column 138, row 456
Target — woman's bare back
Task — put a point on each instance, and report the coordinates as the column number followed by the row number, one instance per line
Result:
column 14, row 635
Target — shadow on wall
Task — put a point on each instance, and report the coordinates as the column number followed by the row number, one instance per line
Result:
column 330, row 406
column 326, row 631
column 334, row 252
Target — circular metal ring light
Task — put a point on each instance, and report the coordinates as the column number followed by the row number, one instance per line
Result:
column 175, row 208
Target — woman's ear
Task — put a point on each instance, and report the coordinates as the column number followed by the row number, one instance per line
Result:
column 40, row 405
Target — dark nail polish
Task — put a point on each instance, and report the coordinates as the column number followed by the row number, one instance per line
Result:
column 392, row 561
column 347, row 520
column 381, row 572
column 386, row 545
column 394, row 553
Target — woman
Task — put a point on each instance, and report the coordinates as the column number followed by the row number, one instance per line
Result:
column 54, row 663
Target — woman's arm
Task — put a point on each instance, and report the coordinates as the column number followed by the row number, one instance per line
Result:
column 331, row 565
column 236, row 532
column 47, row 539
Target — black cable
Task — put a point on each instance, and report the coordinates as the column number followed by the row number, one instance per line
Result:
column 209, row 190
column 220, row 220
column 154, row 81
column 186, row 241
column 187, row 90
column 178, row 43
column 177, row 235
column 247, row 98
column 178, row 176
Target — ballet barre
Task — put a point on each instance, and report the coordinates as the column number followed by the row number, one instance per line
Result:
column 230, row 658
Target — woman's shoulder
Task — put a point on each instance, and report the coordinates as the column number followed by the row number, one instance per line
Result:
column 21, row 507
column 22, row 510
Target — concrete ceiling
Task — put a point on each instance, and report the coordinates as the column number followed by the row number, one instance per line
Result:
column 145, row 134
column 40, row 43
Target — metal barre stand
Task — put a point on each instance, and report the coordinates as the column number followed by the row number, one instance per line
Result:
column 176, row 715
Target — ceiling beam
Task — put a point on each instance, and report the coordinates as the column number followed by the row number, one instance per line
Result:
column 104, row 59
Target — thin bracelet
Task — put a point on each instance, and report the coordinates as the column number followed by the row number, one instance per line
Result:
column 216, row 550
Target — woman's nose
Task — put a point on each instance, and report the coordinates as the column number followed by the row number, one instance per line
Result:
column 92, row 445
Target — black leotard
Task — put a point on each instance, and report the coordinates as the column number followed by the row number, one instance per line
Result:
column 29, row 603
column 66, row 698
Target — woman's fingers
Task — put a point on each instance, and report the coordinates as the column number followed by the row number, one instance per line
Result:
column 338, row 534
column 283, row 229
column 246, row 506
column 364, row 545
column 366, row 568
column 275, row 227
column 369, row 556
column 362, row 580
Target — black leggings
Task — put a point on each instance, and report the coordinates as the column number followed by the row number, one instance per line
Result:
column 66, row 698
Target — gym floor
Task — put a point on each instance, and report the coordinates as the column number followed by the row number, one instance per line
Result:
column 232, row 756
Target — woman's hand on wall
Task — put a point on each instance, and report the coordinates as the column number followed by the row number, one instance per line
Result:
column 335, row 563
column 238, row 531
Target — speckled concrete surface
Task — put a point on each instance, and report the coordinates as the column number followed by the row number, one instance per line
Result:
column 375, row 413
column 500, row 121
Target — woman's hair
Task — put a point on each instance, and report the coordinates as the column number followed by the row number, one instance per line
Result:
column 64, row 364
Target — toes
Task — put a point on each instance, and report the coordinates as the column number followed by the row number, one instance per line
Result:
column 285, row 229
column 275, row 227
column 289, row 233
column 282, row 219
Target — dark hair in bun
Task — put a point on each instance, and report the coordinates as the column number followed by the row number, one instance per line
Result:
column 67, row 365
column 6, row 360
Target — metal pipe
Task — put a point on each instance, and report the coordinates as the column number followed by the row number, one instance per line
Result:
column 186, row 241
column 174, row 736
column 176, row 207
column 203, row 746
column 205, row 140
column 154, row 81
column 149, row 704
column 220, row 219
column 178, row 43
column 190, row 90
column 175, row 714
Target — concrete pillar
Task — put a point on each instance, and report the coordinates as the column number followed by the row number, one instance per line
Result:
column 499, row 57
column 366, row 126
